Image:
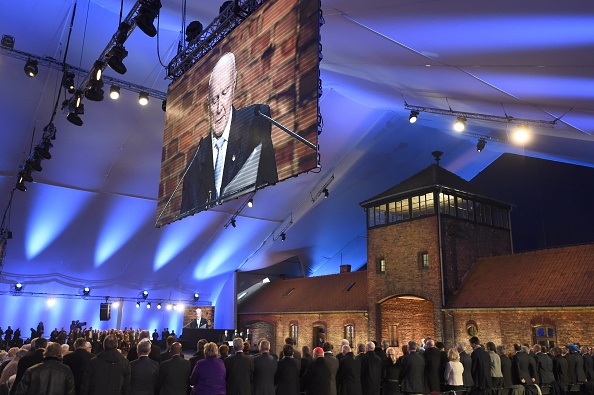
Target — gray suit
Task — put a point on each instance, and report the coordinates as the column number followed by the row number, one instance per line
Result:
column 174, row 376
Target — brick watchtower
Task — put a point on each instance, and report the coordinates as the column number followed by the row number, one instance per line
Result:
column 423, row 235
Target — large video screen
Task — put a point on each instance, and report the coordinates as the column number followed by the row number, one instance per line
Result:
column 219, row 142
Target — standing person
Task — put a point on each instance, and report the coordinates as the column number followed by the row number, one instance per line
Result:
column 208, row 376
column 453, row 372
column 467, row 364
column 391, row 373
column 34, row 357
column 506, row 366
column 412, row 371
column 306, row 359
column 174, row 373
column 77, row 361
column 48, row 377
column 523, row 369
column 333, row 363
column 155, row 354
column 496, row 375
column 240, row 371
column 348, row 377
column 481, row 365
column 588, row 364
column 144, row 372
column 296, row 353
column 286, row 378
column 316, row 379
column 264, row 370
column 108, row 373
column 371, row 371
column 40, row 329
column 233, row 136
column 544, row 366
column 560, row 367
column 167, row 353
column 433, row 373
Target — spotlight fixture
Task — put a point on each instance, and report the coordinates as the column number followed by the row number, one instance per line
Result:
column 266, row 280
column 25, row 173
column 326, row 193
column 86, row 291
column 196, row 297
column 34, row 163
column 76, row 108
column 146, row 17
column 283, row 236
column 233, row 224
column 115, row 304
column 137, row 304
column 144, row 294
column 148, row 305
column 521, row 135
column 116, row 58
column 98, row 70
column 159, row 306
column 174, row 307
column 193, row 30
column 7, row 41
column 68, row 82
column 480, row 145
column 251, row 203
column 43, row 149
column 18, row 287
column 114, row 92
column 460, row 124
column 31, row 68
column 20, row 184
column 413, row 117
column 51, row 302
column 95, row 91
column 143, row 98
column 168, row 307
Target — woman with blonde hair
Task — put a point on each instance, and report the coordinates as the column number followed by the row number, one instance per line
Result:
column 391, row 372
column 453, row 371
column 208, row 376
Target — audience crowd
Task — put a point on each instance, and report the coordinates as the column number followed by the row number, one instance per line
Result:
column 127, row 362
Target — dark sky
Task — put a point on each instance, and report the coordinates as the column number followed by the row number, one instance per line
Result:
column 553, row 203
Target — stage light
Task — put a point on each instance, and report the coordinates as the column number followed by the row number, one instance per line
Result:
column 326, row 193
column 18, row 287
column 114, row 92
column 43, row 149
column 31, row 68
column 115, row 304
column 144, row 294
column 168, row 307
column 7, row 41
column 86, row 291
column 266, row 280
column 98, row 70
column 480, row 145
column 137, row 305
column 116, row 59
column 460, row 124
column 159, row 306
column 180, row 307
column 193, row 30
column 521, row 135
column 68, row 82
column 224, row 6
column 233, row 224
column 283, row 236
column 143, row 98
column 251, row 203
column 196, row 297
column 95, row 91
column 51, row 302
column 175, row 307
column 148, row 305
column 20, row 184
column 34, row 163
column 413, row 117
column 146, row 17
column 26, row 174
column 75, row 109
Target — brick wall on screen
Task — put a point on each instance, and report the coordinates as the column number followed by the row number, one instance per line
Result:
column 515, row 326
column 333, row 322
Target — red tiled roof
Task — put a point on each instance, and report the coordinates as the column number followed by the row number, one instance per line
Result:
column 310, row 294
column 556, row 277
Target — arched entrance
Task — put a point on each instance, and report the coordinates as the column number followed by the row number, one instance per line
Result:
column 404, row 318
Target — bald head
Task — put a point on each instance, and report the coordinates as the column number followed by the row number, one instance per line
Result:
column 221, row 89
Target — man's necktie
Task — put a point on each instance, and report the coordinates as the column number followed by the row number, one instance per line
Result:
column 219, row 166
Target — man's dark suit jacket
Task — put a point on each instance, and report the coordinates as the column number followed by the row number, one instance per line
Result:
column 316, row 378
column 371, row 373
column 481, row 368
column 240, row 371
column 467, row 373
column 194, row 324
column 155, row 353
column 247, row 131
column 588, row 367
column 433, row 373
column 286, row 378
column 78, row 361
column 522, row 368
column 580, row 373
column 348, row 378
column 144, row 376
column 174, row 376
column 25, row 363
column 412, row 373
column 544, row 367
column 506, row 370
column 571, row 368
column 560, row 370
column 333, row 363
column 264, row 369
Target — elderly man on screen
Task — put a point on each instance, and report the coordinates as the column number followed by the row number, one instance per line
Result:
column 237, row 153
column 198, row 322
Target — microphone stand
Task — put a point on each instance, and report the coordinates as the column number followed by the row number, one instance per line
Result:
column 283, row 128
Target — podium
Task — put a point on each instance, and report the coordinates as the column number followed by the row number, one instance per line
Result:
column 190, row 336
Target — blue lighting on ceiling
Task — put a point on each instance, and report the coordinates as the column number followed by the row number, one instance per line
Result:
column 123, row 218
column 52, row 210
column 175, row 238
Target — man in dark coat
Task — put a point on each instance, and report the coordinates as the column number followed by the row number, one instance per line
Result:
column 348, row 378
column 588, row 364
column 481, row 365
column 433, row 373
column 544, row 366
column 467, row 364
column 240, row 370
column 174, row 373
column 560, row 367
column 155, row 353
column 48, row 377
column 333, row 363
column 316, row 379
column 167, row 353
column 77, row 361
column 412, row 371
column 264, row 369
column 144, row 372
column 523, row 367
column 371, row 371
column 286, row 378
column 506, row 369
column 108, row 373
column 34, row 357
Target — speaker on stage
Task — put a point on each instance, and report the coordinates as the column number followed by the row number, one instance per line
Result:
column 105, row 312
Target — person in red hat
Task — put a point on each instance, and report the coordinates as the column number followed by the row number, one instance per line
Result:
column 316, row 379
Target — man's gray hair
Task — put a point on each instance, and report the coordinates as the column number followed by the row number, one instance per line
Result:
column 144, row 347
column 238, row 344
column 412, row 345
column 460, row 347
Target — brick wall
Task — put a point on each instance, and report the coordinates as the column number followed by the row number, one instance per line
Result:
column 276, row 327
column 413, row 319
column 515, row 326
